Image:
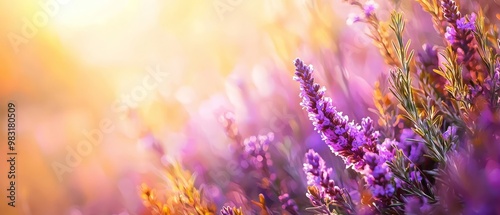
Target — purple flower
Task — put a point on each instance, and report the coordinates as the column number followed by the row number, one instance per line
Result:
column 417, row 205
column 368, row 10
column 428, row 61
column 459, row 34
column 318, row 175
column 353, row 18
column 255, row 145
column 288, row 204
column 450, row 11
column 450, row 132
column 321, row 187
column 413, row 145
column 451, row 34
column 378, row 176
column 355, row 144
column 256, row 152
column 467, row 24
column 314, row 168
column 386, row 149
column 372, row 135
column 415, row 176
column 346, row 139
column 369, row 7
column 428, row 57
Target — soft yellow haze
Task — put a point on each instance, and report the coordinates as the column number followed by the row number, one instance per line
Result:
column 67, row 77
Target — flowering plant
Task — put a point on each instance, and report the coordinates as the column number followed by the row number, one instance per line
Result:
column 434, row 149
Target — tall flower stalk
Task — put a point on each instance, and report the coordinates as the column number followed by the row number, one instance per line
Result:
column 459, row 34
column 323, row 192
column 356, row 144
column 346, row 139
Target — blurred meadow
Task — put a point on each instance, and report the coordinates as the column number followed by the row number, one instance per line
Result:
column 134, row 76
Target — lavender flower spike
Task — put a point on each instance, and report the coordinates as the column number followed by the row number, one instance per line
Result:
column 321, row 187
column 289, row 204
column 467, row 24
column 460, row 35
column 355, row 144
column 450, row 11
column 318, row 175
column 377, row 173
column 346, row 139
column 257, row 153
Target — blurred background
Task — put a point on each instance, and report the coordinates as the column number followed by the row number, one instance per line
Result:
column 97, row 82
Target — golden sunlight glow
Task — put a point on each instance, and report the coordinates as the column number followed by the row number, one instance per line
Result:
column 78, row 14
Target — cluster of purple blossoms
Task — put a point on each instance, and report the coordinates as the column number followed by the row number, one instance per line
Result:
column 450, row 11
column 460, row 34
column 412, row 145
column 378, row 176
column 427, row 61
column 428, row 58
column 356, row 144
column 451, row 34
column 318, row 175
column 288, row 204
column 467, row 24
column 346, row 139
column 321, row 186
column 417, row 205
column 257, row 152
column 463, row 25
column 377, row 173
column 228, row 121
column 368, row 7
column 450, row 132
